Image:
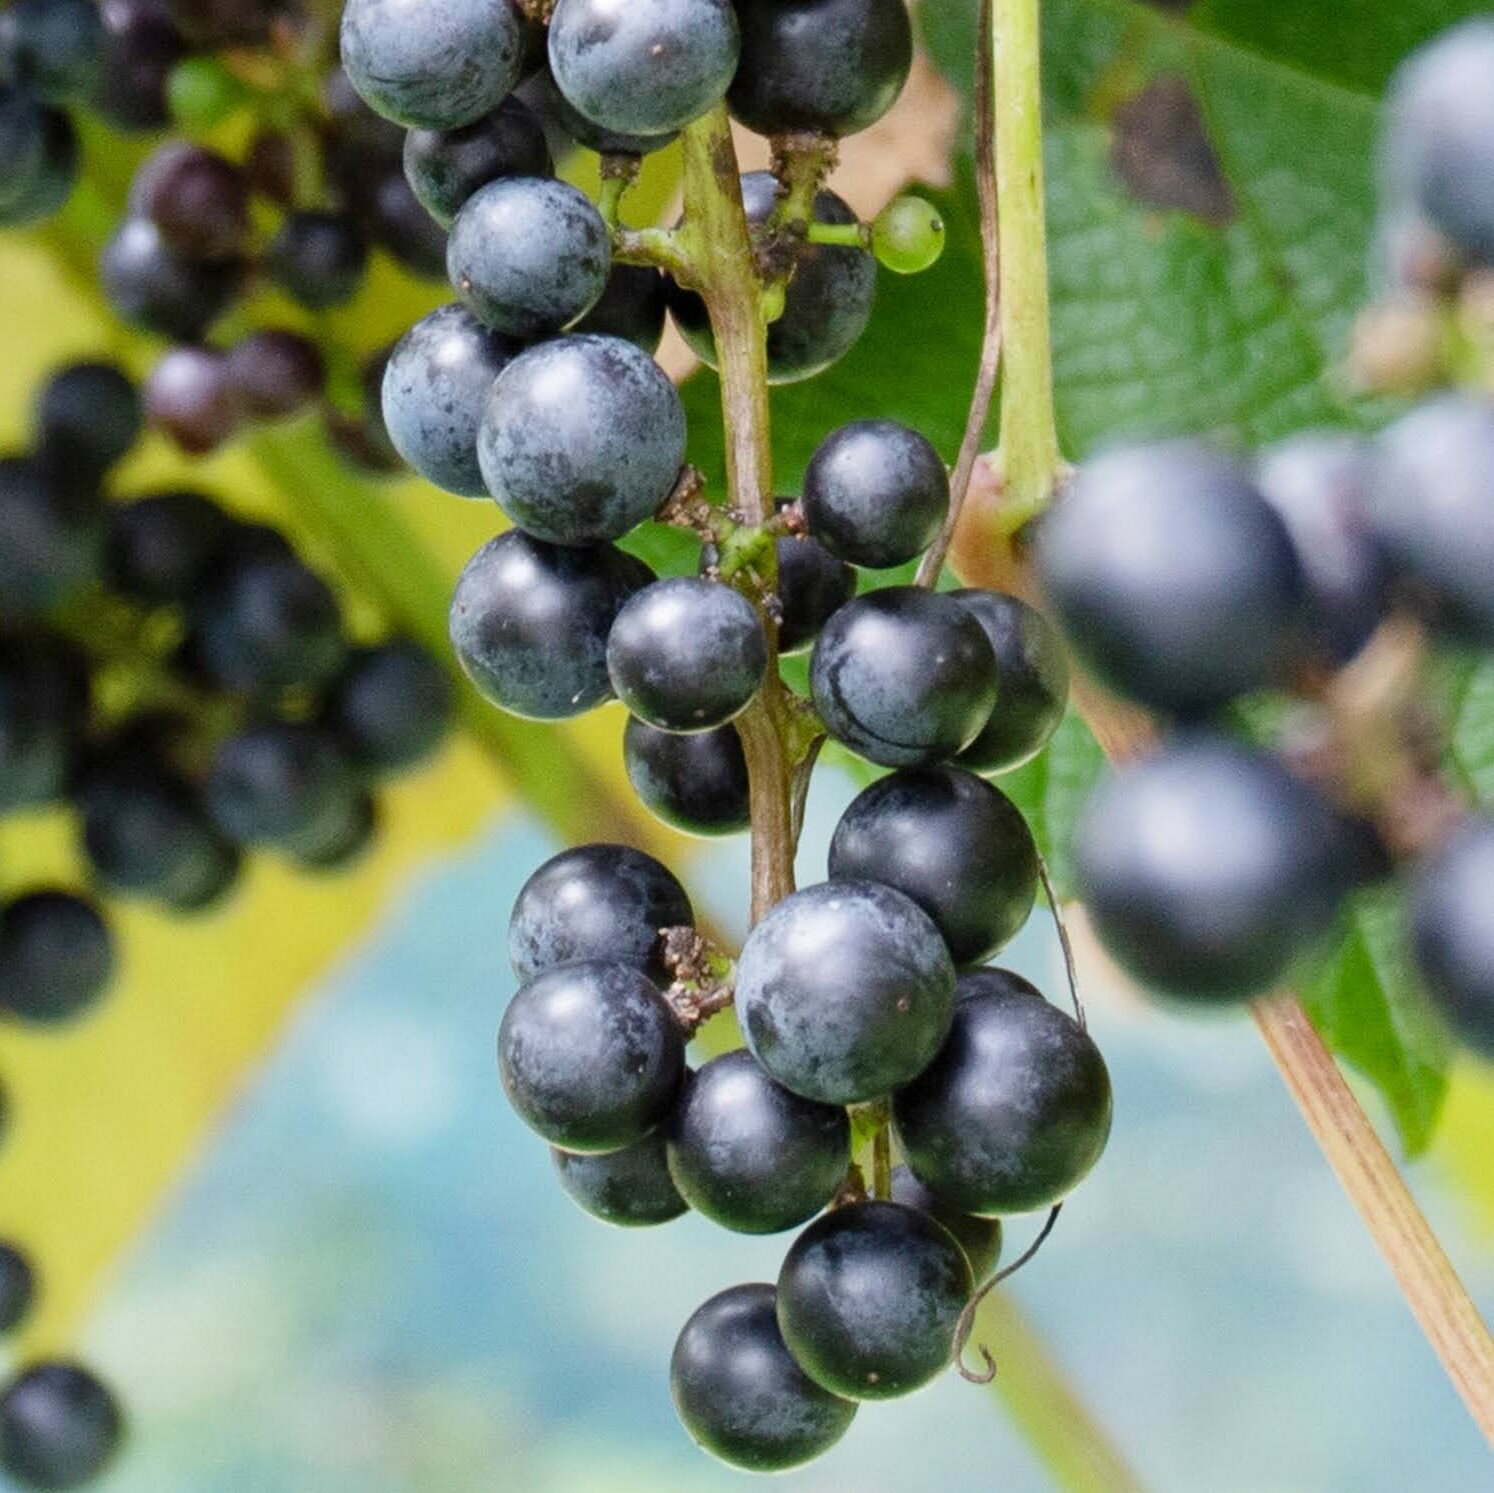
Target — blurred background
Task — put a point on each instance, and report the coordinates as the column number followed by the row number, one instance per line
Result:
column 275, row 1191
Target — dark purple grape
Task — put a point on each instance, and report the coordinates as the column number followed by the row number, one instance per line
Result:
column 751, row 1156
column 951, row 842
column 844, row 991
column 903, row 676
column 88, row 417
column 590, row 1055
column 56, row 958
column 197, row 198
column 227, row 23
column 1451, row 940
column 274, row 374
column 156, row 290
column 391, row 707
column 1015, row 1109
column 829, row 66
column 869, row 1297
column 529, row 622
column 1208, row 869
column 190, row 396
column 696, row 783
column 393, row 216
column 876, row 493
column 1173, row 578
column 319, row 259
column 632, row 306
column 630, row 1188
column 687, row 654
column 141, row 46
column 445, row 167
column 980, row 1238
column 827, row 303
column 18, row 1286
column 161, row 547
column 59, row 1426
column 1032, row 681
column 741, row 1395
column 52, row 539
column 596, row 902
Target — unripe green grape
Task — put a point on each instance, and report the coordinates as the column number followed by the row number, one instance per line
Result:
column 908, row 235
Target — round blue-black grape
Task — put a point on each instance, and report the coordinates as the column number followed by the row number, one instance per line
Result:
column 875, row 493
column 826, row 305
column 980, row 1238
column 632, row 306
column 391, row 706
column 646, row 67
column 739, row 1392
column 39, row 180
column 56, row 957
column 903, row 676
column 751, row 1156
column 570, row 121
column 1438, row 145
column 267, row 625
column 432, row 64
column 596, row 902
column 590, row 1055
column 17, row 1287
column 1032, row 681
column 52, row 537
column 436, row 387
column 950, row 841
column 1173, row 578
column 869, row 1297
column 60, row 1426
column 1316, row 482
column 631, row 1188
column 44, row 717
column 1431, row 502
column 445, row 167
column 845, row 991
column 161, row 547
column 582, row 439
column 528, row 254
column 147, row 833
column 153, row 289
column 197, row 198
column 1207, row 869
column 141, row 48
column 190, row 397
column 88, row 416
column 319, row 259
column 54, row 47
column 529, row 622
column 828, row 66
column 277, row 782
column 273, row 374
column 393, row 217
column 1014, row 1111
column 687, row 654
column 695, row 782
column 1452, row 941
column 340, row 836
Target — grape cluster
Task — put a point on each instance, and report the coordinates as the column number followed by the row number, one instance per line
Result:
column 182, row 680
column 864, row 999
column 1192, row 583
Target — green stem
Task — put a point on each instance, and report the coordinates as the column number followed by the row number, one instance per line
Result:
column 852, row 235
column 717, row 243
column 1029, row 438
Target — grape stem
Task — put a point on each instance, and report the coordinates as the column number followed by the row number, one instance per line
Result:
column 716, row 242
column 989, row 367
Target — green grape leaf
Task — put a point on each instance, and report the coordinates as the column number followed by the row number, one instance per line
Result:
column 1366, row 1004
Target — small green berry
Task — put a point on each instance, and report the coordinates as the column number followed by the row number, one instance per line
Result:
column 908, row 235
column 202, row 93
